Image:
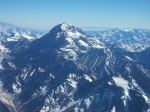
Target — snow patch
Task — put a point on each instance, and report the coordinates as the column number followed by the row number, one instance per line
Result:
column 43, row 90
column 88, row 102
column 31, row 74
column 127, row 67
column 12, row 65
column 110, row 83
column 130, row 59
column 83, row 43
column 71, row 80
column 12, row 39
column 74, row 34
column 120, row 82
column 16, row 89
column 41, row 69
column 88, row 78
column 113, row 109
column 52, row 76
column 45, row 109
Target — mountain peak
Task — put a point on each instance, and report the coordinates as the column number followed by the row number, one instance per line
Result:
column 65, row 26
column 69, row 29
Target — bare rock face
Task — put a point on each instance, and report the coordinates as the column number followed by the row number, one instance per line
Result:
column 68, row 70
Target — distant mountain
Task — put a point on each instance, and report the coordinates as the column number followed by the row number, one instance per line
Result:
column 6, row 24
column 95, row 28
column 133, row 40
column 10, row 32
column 68, row 70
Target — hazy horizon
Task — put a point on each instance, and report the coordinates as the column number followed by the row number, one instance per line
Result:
column 44, row 15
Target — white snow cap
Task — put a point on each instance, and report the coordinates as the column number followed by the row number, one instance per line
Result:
column 65, row 26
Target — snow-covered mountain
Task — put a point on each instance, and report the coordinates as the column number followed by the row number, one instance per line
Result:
column 12, row 36
column 9, row 32
column 133, row 40
column 68, row 70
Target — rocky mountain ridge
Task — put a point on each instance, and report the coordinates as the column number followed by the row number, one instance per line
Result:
column 68, row 70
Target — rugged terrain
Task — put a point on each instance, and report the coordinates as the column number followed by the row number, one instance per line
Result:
column 67, row 70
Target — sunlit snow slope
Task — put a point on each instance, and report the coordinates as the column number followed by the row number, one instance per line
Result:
column 67, row 70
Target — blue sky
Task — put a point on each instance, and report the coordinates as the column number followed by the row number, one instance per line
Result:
column 44, row 14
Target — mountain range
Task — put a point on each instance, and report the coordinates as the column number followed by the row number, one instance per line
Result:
column 67, row 70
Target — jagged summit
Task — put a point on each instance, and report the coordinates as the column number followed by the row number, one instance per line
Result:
column 66, row 30
column 69, row 27
column 66, row 27
column 62, row 27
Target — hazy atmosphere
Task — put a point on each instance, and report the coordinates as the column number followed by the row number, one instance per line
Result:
column 44, row 14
